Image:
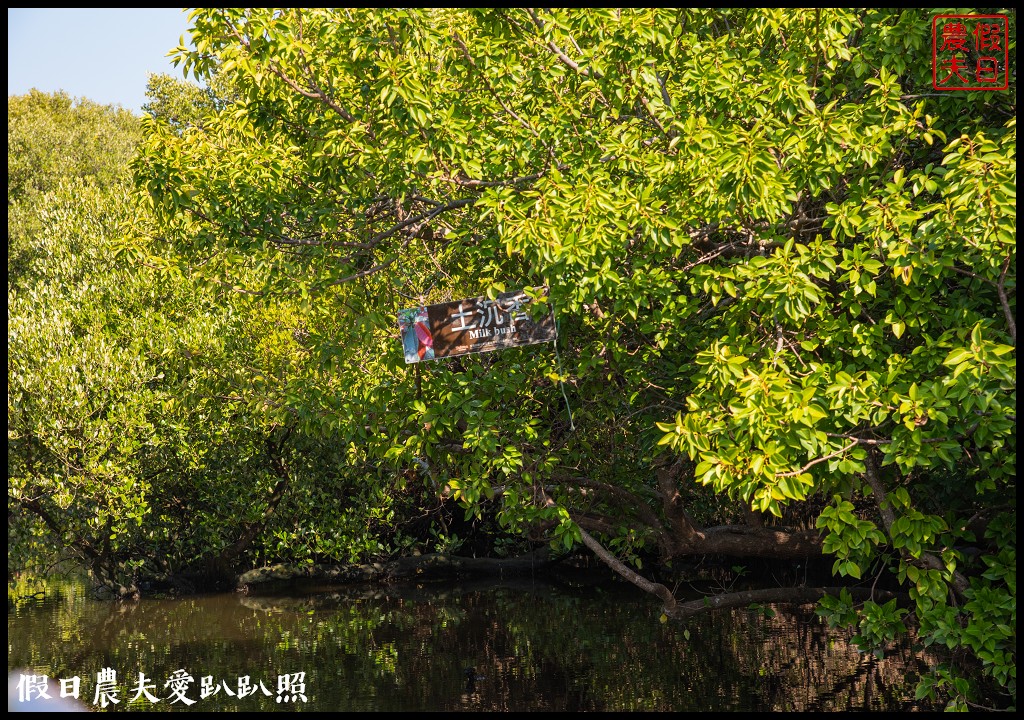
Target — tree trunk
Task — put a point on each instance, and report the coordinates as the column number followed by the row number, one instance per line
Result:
column 792, row 595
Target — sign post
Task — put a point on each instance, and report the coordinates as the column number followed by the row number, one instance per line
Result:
column 474, row 325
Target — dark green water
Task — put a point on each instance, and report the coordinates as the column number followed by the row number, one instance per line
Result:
column 525, row 646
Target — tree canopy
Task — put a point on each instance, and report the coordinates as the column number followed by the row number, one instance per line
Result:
column 782, row 265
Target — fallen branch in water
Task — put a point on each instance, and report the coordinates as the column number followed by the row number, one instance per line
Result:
column 791, row 595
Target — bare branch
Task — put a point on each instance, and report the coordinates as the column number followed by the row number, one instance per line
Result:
column 490, row 89
column 797, row 595
column 976, row 276
column 1004, row 301
column 812, row 463
column 313, row 95
column 316, row 94
column 566, row 60
column 859, row 440
column 494, row 183
column 644, row 512
column 369, row 271
column 420, row 219
column 417, row 223
column 657, row 589
column 682, row 522
column 665, row 97
column 650, row 113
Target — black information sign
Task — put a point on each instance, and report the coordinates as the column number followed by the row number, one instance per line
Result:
column 432, row 332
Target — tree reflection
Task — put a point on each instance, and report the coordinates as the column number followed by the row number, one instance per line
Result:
column 504, row 647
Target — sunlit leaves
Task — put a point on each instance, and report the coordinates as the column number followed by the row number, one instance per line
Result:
column 771, row 248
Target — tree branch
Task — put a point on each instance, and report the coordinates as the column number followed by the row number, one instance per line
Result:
column 656, row 589
column 232, row 551
column 565, row 59
column 764, row 542
column 672, row 502
column 650, row 113
column 812, row 463
column 313, row 95
column 1004, row 301
column 644, row 512
column 797, row 595
column 495, row 183
column 318, row 95
column 418, row 222
column 494, row 94
column 958, row 581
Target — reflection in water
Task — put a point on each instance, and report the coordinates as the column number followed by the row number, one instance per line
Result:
column 497, row 647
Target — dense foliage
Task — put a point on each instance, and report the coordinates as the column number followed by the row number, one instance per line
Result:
column 783, row 267
column 126, row 448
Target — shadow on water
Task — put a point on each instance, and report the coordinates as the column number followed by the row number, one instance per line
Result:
column 495, row 646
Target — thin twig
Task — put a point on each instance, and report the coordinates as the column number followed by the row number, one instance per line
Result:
column 812, row 463
column 320, row 95
column 1004, row 301
column 494, row 183
column 566, row 60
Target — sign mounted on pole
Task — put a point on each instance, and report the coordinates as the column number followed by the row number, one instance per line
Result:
column 474, row 325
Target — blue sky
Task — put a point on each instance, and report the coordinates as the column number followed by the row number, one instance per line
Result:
column 103, row 54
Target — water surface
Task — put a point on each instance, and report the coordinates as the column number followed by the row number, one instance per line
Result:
column 495, row 646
